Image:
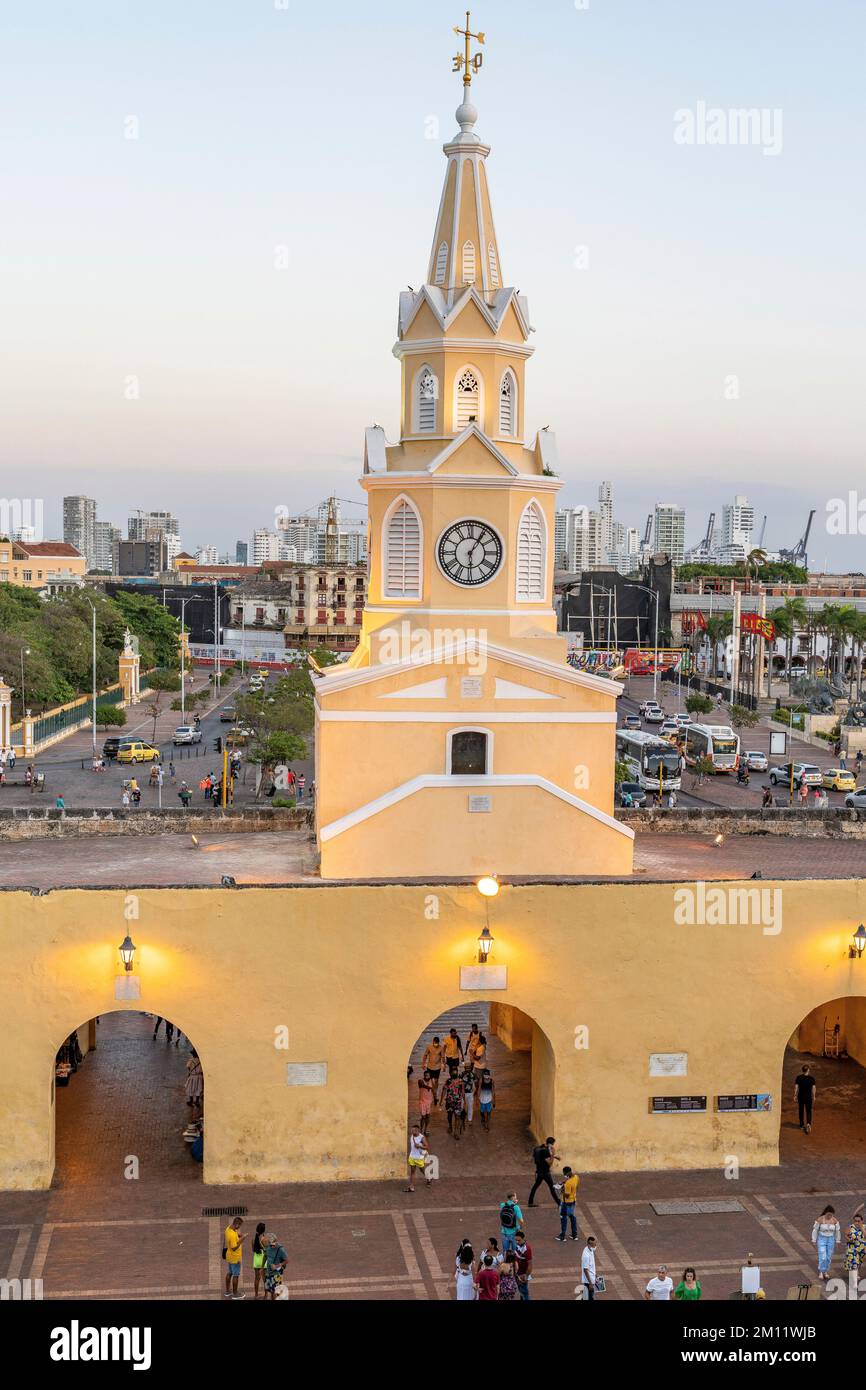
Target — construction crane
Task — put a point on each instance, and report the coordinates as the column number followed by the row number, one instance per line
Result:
column 708, row 538
column 761, row 537
column 798, row 555
column 647, row 535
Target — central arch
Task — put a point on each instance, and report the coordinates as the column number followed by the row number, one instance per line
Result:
column 521, row 1060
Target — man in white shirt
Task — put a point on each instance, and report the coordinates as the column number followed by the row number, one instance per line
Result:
column 587, row 1269
column 659, row 1289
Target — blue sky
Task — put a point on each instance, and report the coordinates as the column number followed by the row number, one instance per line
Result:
column 306, row 128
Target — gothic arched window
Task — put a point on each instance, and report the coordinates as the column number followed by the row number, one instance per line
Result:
column 441, row 263
column 531, row 555
column 401, row 551
column 469, row 263
column 508, row 404
column 494, row 268
column 467, row 399
column 426, row 396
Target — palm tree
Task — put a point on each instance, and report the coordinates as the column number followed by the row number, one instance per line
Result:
column 790, row 618
column 754, row 562
column 858, row 637
column 717, row 630
column 836, row 621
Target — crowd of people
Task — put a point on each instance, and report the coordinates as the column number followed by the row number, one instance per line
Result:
column 269, row 1262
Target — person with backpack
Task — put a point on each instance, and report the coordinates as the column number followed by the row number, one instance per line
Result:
column 510, row 1220
column 543, row 1156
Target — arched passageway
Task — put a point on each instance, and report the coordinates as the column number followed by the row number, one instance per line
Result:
column 520, row 1060
column 831, row 1042
column 119, row 1101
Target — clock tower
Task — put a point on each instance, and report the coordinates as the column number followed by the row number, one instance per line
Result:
column 457, row 740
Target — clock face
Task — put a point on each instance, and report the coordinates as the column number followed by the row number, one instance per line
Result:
column 469, row 552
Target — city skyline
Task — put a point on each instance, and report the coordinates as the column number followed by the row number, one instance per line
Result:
column 660, row 248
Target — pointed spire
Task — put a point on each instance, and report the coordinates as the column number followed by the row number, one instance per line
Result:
column 465, row 250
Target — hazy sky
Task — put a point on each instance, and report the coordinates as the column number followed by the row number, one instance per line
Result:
column 307, row 128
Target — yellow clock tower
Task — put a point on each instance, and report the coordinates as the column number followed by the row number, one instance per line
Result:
column 457, row 740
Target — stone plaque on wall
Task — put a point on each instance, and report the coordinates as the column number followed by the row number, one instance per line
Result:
column 127, row 986
column 471, row 687
column 307, row 1074
column 480, row 803
column 483, row 977
column 669, row 1064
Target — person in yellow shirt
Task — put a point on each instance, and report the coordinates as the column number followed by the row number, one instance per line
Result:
column 453, row 1052
column 432, row 1062
column 233, row 1249
column 567, row 1199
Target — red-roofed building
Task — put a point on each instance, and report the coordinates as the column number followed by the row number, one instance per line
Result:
column 41, row 564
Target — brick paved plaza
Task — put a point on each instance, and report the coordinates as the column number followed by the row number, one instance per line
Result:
column 98, row 1235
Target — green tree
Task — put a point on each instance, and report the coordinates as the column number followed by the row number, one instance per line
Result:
column 113, row 716
column 742, row 717
column 790, row 618
column 699, row 704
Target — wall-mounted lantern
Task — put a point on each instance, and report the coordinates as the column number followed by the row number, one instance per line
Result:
column 127, row 952
column 855, row 951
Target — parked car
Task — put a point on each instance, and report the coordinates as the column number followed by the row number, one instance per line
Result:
column 186, row 733
column 838, row 779
column 803, row 772
column 755, row 760
column 654, row 715
column 635, row 790
column 856, row 800
column 227, row 715
column 631, row 721
column 135, row 752
column 110, row 747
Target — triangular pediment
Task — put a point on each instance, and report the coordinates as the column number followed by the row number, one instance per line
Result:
column 472, row 454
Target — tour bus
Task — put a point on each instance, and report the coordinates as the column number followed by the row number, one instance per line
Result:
column 650, row 759
column 716, row 741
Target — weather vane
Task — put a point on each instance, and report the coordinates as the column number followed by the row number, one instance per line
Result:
column 467, row 61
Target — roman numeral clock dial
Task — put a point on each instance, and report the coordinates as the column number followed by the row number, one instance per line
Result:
column 469, row 552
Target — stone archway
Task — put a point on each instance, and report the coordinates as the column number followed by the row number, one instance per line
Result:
column 831, row 1041
column 522, row 1062
column 121, row 1113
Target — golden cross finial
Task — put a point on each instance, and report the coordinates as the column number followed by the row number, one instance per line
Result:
column 468, row 61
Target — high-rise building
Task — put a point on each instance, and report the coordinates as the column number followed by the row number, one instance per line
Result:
column 670, row 531
column 207, row 555
column 79, row 521
column 577, row 539
column 242, row 550
column 738, row 523
column 605, row 512
column 266, row 545
column 104, row 536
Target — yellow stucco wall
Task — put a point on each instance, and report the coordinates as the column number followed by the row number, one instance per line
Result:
column 333, row 964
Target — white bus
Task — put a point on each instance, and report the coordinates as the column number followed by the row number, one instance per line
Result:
column 715, row 741
column 651, row 760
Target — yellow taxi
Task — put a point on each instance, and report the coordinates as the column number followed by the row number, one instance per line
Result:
column 838, row 779
column 131, row 751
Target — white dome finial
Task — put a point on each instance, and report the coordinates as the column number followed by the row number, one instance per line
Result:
column 466, row 115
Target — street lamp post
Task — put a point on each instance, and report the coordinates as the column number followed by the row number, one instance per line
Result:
column 197, row 598
column 653, row 593
column 25, row 651
column 93, row 662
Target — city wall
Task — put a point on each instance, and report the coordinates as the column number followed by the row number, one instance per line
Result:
column 304, row 1003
